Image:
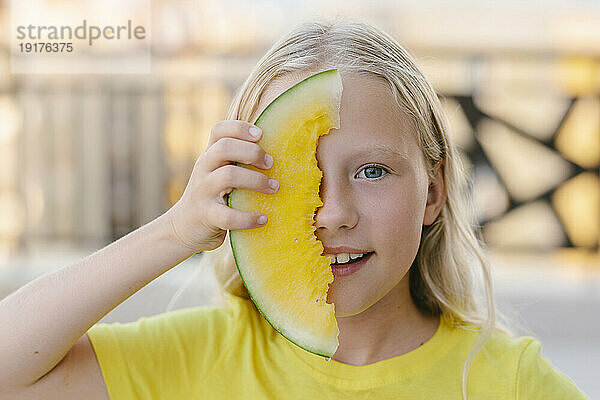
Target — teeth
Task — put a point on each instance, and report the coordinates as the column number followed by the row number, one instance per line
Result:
column 343, row 258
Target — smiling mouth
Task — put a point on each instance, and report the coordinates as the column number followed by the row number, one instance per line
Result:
column 355, row 260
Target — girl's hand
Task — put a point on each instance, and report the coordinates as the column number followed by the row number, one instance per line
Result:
column 200, row 218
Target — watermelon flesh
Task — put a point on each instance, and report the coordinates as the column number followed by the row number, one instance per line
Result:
column 281, row 263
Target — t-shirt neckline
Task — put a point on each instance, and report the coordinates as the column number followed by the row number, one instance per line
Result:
column 381, row 372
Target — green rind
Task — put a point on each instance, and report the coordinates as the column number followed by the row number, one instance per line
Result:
column 286, row 93
column 265, row 315
column 291, row 90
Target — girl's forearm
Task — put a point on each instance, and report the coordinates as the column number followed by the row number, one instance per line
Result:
column 41, row 321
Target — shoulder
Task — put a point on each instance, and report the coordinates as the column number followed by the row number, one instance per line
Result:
column 500, row 349
column 157, row 354
column 537, row 377
column 194, row 322
column 516, row 366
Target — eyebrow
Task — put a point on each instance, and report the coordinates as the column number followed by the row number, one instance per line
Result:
column 382, row 151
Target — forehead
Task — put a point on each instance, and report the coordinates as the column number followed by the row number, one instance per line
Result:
column 355, row 87
column 369, row 114
column 278, row 86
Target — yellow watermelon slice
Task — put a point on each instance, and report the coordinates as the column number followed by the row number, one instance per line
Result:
column 281, row 263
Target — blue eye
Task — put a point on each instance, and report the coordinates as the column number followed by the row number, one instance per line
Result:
column 371, row 171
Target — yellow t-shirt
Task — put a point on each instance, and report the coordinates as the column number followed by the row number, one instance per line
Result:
column 233, row 353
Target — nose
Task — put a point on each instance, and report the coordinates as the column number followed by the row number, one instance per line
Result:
column 338, row 210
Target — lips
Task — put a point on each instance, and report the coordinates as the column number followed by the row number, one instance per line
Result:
column 341, row 249
column 351, row 261
column 350, row 267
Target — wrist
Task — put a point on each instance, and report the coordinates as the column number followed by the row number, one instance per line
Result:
column 176, row 235
column 162, row 225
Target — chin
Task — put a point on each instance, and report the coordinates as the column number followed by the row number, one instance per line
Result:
column 349, row 305
column 357, row 297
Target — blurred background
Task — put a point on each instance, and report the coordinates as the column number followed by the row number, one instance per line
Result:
column 85, row 159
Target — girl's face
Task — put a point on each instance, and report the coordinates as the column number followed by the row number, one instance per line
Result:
column 374, row 190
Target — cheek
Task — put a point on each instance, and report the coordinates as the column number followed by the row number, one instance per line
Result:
column 406, row 221
column 395, row 212
column 396, row 222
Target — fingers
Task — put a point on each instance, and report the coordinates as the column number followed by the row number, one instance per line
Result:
column 215, row 175
column 228, row 177
column 229, row 150
column 228, row 218
column 234, row 129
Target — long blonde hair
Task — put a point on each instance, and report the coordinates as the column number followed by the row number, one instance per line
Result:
column 450, row 276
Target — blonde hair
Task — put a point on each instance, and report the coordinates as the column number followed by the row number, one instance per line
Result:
column 450, row 276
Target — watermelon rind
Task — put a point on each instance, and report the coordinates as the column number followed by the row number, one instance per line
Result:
column 328, row 74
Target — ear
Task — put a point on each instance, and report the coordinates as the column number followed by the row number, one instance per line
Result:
column 436, row 195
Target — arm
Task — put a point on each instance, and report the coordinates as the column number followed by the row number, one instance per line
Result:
column 41, row 322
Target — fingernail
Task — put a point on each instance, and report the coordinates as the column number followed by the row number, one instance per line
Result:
column 262, row 219
column 269, row 160
column 273, row 184
column 254, row 131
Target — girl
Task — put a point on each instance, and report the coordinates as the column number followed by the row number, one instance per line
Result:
column 412, row 321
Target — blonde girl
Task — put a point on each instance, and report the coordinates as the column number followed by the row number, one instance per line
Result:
column 417, row 320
